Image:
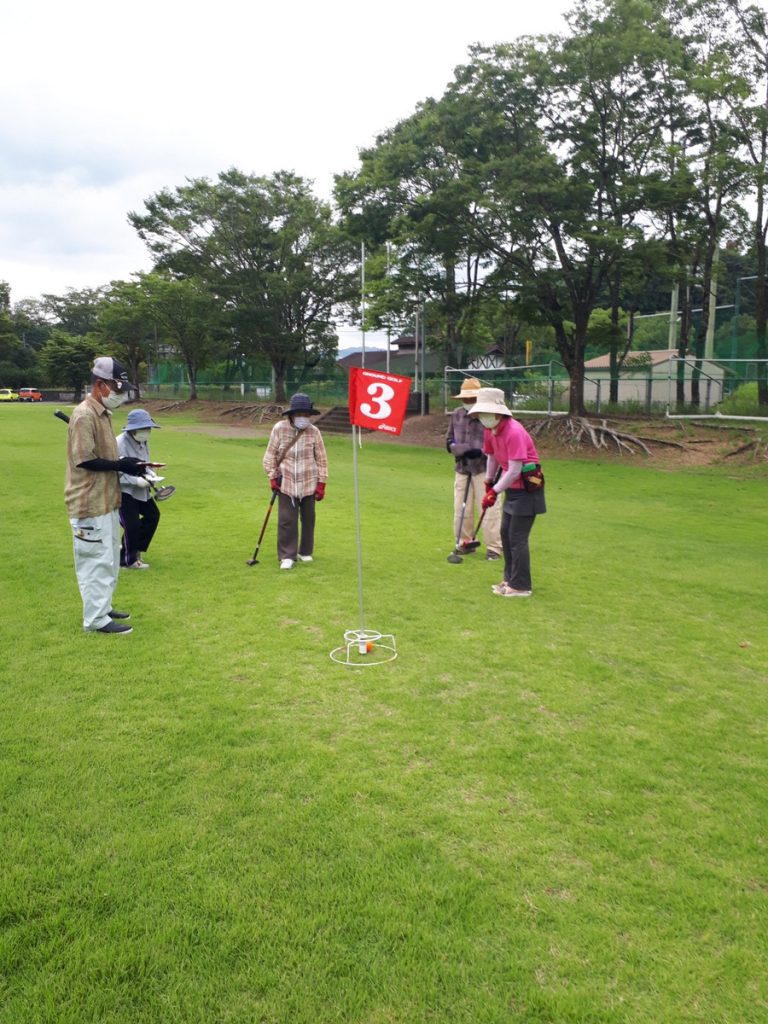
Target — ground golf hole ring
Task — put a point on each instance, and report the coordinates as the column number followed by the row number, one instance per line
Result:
column 365, row 647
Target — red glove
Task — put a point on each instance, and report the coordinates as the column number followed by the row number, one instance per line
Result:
column 489, row 499
column 274, row 483
column 488, row 485
column 320, row 491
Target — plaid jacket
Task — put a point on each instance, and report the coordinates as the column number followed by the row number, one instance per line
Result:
column 301, row 467
column 465, row 434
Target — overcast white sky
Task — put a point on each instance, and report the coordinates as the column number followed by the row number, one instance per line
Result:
column 104, row 104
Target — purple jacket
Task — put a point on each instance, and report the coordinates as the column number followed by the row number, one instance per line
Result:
column 465, row 436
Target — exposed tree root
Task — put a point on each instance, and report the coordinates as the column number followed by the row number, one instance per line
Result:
column 758, row 447
column 576, row 431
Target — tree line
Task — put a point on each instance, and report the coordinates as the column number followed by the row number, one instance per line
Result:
column 560, row 182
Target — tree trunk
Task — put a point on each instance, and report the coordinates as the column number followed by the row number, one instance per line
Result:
column 192, row 374
column 761, row 313
column 682, row 344
column 281, row 395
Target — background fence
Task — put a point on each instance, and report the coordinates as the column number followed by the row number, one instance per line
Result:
column 727, row 385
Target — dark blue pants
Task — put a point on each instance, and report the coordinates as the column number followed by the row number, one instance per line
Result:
column 515, row 531
column 139, row 520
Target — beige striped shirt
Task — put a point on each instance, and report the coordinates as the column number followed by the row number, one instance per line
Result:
column 90, row 436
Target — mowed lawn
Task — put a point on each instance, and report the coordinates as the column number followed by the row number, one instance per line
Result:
column 550, row 810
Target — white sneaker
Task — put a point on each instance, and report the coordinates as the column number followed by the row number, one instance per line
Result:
column 306, row 558
column 287, row 563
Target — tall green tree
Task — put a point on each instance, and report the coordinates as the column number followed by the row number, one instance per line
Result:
column 571, row 126
column 412, row 191
column 185, row 317
column 128, row 327
column 66, row 360
column 268, row 250
column 751, row 118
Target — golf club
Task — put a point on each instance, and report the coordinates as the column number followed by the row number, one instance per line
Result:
column 254, row 560
column 161, row 493
column 454, row 558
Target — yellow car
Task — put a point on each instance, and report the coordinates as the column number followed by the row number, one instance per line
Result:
column 6, row 395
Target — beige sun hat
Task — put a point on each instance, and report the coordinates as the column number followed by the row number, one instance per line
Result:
column 490, row 400
column 469, row 388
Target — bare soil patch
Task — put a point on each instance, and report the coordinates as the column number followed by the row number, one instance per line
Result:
column 671, row 443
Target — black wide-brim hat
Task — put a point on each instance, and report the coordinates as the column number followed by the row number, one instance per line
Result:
column 301, row 403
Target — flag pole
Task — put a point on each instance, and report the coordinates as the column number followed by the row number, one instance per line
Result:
column 357, row 527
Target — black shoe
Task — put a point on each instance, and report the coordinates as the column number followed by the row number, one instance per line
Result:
column 492, row 556
column 114, row 627
column 119, row 615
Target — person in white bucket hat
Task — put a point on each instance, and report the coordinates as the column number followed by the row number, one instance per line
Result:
column 509, row 445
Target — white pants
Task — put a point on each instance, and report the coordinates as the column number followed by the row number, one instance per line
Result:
column 473, row 511
column 96, row 543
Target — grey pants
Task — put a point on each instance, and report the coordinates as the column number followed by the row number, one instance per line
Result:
column 96, row 543
column 290, row 512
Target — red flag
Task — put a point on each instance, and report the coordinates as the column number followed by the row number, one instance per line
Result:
column 377, row 400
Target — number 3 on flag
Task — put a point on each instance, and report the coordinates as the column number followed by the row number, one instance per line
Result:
column 377, row 401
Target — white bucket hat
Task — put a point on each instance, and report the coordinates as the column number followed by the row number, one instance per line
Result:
column 489, row 400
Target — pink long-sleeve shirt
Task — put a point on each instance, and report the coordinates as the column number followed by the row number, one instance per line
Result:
column 510, row 446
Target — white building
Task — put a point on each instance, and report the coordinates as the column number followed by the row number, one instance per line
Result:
column 654, row 383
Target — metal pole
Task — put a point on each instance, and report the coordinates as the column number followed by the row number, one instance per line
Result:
column 389, row 317
column 709, row 341
column 416, row 351
column 423, row 346
column 362, row 299
column 672, row 342
column 355, row 431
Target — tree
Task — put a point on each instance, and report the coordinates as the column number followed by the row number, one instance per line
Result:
column 752, row 120
column 570, row 128
column 126, row 322
column 267, row 250
column 66, row 360
column 76, row 312
column 187, row 319
column 412, row 191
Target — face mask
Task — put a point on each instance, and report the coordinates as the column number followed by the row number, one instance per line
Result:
column 142, row 435
column 468, row 405
column 300, row 422
column 114, row 400
column 488, row 419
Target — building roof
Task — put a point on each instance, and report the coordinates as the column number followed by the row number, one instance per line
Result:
column 656, row 356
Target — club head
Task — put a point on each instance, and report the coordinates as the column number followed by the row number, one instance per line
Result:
column 252, row 561
column 454, row 558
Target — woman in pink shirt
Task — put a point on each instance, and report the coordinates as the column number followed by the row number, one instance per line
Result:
column 509, row 446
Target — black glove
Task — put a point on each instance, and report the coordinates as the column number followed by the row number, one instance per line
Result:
column 133, row 467
column 458, row 449
column 474, row 453
column 129, row 465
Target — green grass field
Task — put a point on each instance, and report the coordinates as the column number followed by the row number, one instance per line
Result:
column 550, row 810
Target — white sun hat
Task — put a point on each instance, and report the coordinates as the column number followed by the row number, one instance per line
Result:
column 490, row 400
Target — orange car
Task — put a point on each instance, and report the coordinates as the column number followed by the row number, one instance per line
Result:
column 29, row 395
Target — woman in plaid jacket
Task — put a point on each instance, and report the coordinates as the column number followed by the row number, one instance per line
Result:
column 297, row 466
